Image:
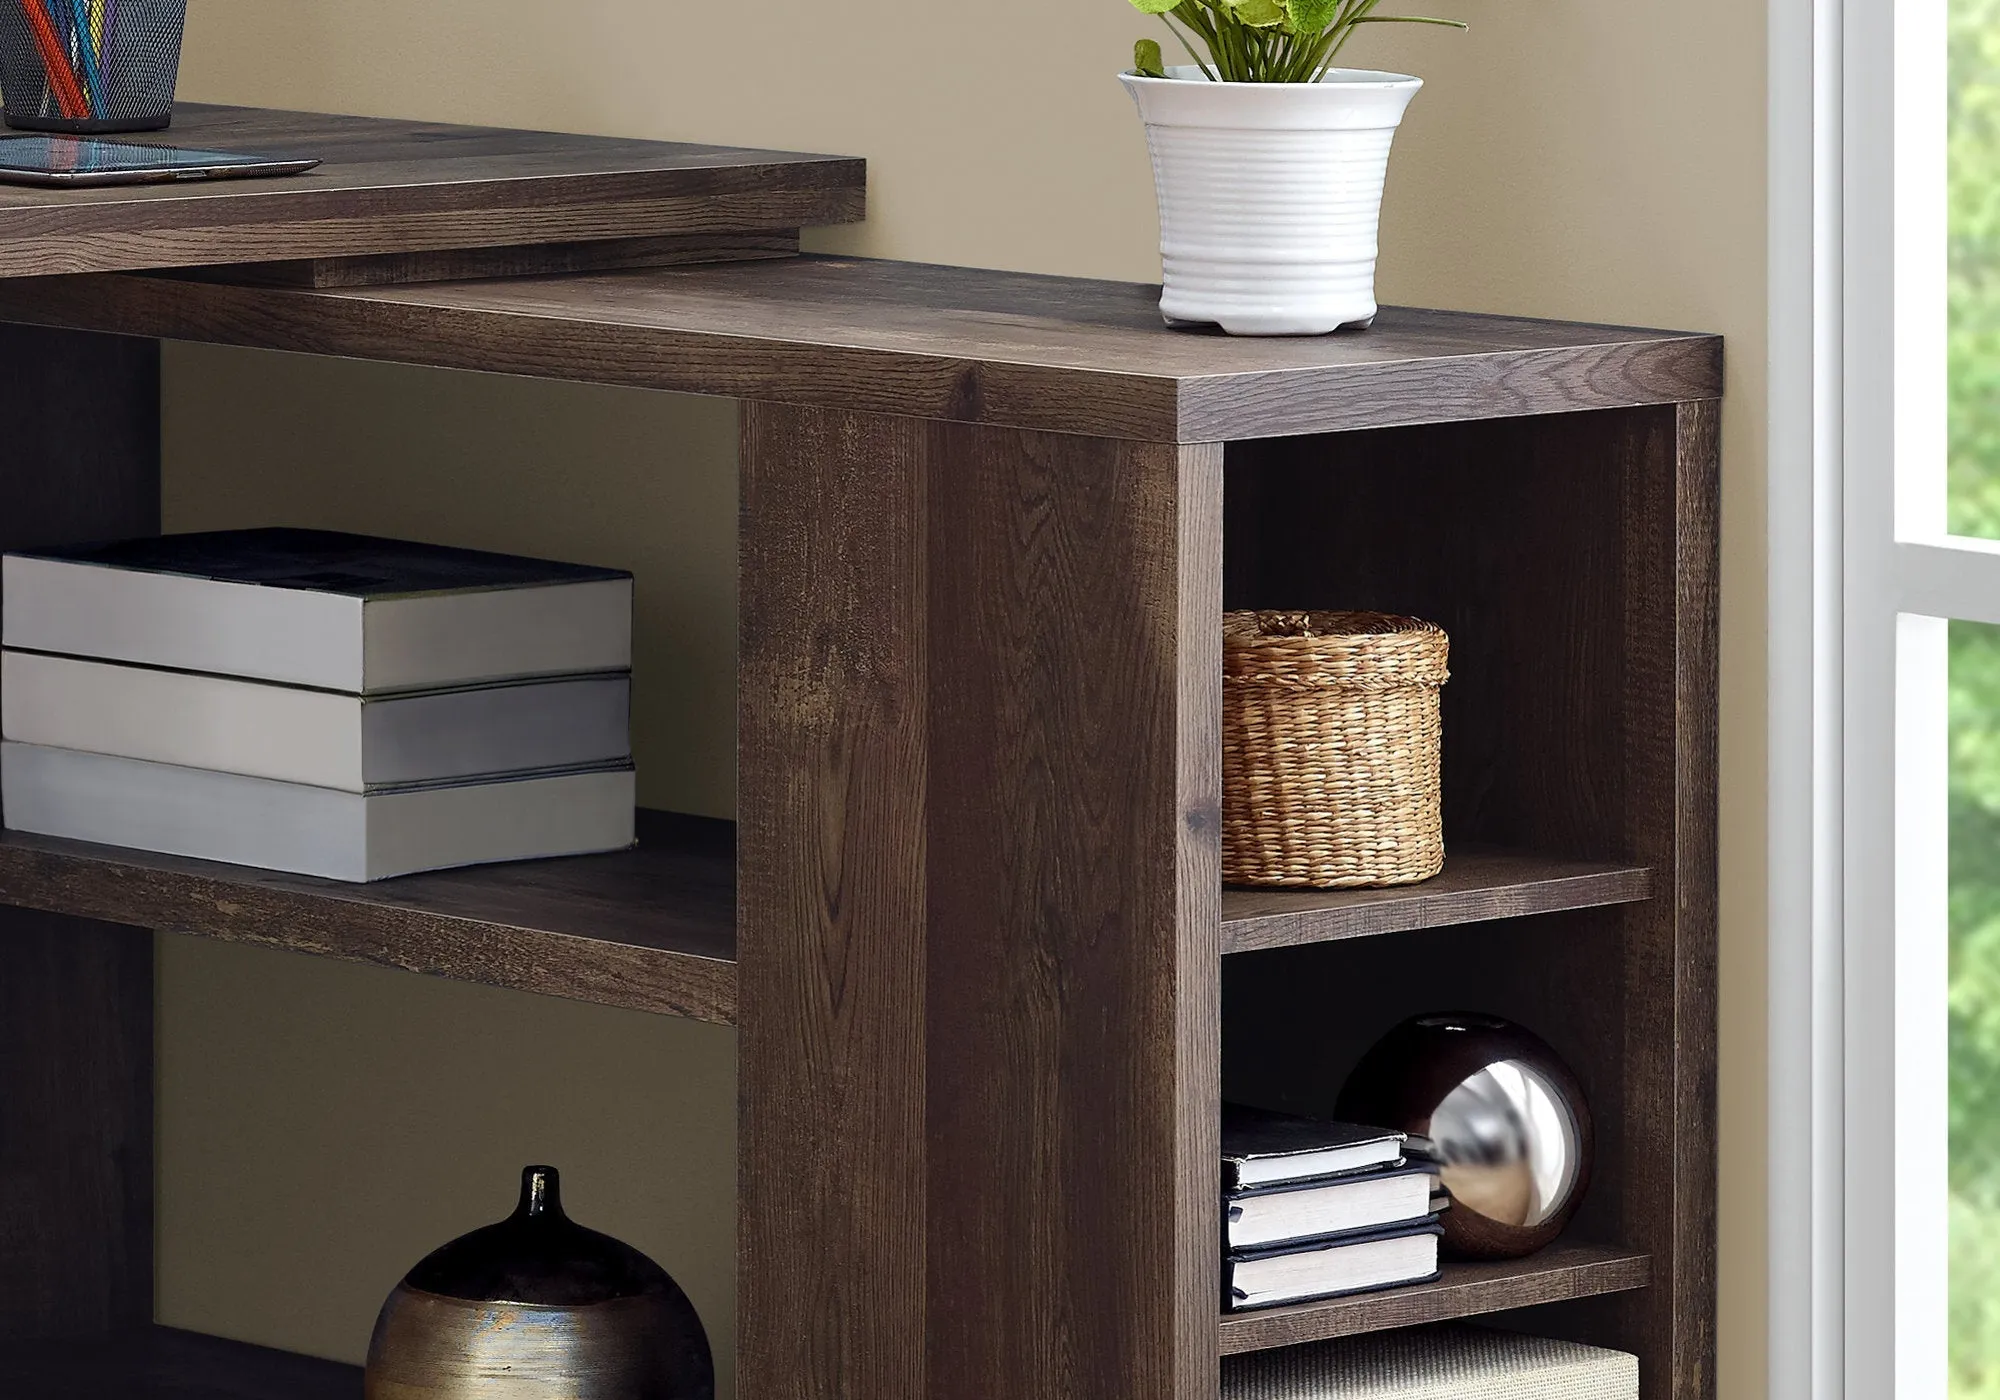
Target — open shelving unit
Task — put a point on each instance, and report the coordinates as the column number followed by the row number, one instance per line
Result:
column 970, row 926
column 654, row 929
column 1558, row 1274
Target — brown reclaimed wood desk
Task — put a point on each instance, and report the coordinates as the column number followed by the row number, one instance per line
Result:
column 970, row 924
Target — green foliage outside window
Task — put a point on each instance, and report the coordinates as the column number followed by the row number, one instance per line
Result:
column 1974, row 475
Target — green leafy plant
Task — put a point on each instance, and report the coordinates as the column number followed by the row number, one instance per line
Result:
column 1262, row 41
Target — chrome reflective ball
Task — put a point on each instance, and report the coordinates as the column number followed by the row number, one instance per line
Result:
column 1498, row 1111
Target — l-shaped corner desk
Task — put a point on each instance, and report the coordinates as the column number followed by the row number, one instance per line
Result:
column 970, row 925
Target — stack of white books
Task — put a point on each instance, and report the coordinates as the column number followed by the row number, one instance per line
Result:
column 1316, row 1209
column 316, row 703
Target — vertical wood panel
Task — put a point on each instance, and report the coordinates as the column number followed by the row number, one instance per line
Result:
column 1663, row 1146
column 1666, row 1142
column 79, row 459
column 1671, row 592
column 76, row 1139
column 1074, row 916
column 1198, row 1000
column 79, row 436
column 830, row 907
column 999, row 1180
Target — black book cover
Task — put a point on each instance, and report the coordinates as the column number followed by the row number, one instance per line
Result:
column 1257, row 1134
column 1428, row 1226
column 325, row 561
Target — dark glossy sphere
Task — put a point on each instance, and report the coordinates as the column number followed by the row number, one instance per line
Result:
column 1502, row 1114
column 538, row 1308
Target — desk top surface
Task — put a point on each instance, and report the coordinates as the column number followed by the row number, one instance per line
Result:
column 402, row 186
column 956, row 344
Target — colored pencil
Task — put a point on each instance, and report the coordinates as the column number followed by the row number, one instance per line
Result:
column 62, row 79
column 63, row 19
column 92, row 75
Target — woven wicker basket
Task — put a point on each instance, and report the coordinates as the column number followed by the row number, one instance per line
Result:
column 1330, row 738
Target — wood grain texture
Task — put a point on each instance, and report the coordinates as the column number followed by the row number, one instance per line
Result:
column 521, row 260
column 76, row 998
column 1476, row 884
column 1697, row 894
column 1506, row 534
column 1572, row 561
column 76, row 1120
column 1563, row 1272
column 59, row 483
column 953, row 344
column 401, row 187
column 831, row 736
column 1196, row 1107
column 651, row 929
column 1672, row 571
column 978, row 935
column 1074, row 861
column 160, row 1363
column 1665, row 1035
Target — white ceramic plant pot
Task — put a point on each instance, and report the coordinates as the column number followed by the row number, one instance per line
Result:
column 1270, row 195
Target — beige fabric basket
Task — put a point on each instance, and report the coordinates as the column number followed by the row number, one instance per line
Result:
column 1330, row 738
column 1449, row 1362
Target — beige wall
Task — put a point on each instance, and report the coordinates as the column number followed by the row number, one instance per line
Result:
column 321, row 1125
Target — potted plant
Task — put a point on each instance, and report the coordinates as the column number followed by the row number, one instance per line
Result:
column 1268, row 161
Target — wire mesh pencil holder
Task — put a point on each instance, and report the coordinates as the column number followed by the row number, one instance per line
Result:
column 90, row 66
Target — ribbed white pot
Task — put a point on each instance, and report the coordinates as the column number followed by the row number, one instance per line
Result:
column 1270, row 195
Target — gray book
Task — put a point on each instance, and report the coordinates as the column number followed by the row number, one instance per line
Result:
column 1448, row 1362
column 321, row 738
column 312, row 830
column 315, row 608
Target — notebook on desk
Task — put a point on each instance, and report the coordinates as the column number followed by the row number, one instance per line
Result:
column 77, row 161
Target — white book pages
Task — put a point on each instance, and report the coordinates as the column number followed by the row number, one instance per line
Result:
column 306, row 830
column 317, row 737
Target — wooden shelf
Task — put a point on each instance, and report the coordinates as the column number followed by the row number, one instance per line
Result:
column 956, row 344
column 652, row 929
column 1465, row 1290
column 160, row 1363
column 400, row 187
column 1474, row 885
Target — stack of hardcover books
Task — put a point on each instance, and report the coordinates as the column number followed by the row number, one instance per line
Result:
column 316, row 703
column 1315, row 1209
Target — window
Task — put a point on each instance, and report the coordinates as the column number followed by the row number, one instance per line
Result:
column 1885, row 554
column 1921, row 698
column 1972, row 509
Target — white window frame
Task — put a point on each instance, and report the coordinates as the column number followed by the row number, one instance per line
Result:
column 1861, row 575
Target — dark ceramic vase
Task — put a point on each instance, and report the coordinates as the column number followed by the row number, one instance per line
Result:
column 1501, row 1114
column 538, row 1308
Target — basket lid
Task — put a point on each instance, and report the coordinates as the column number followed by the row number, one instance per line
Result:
column 1368, row 650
